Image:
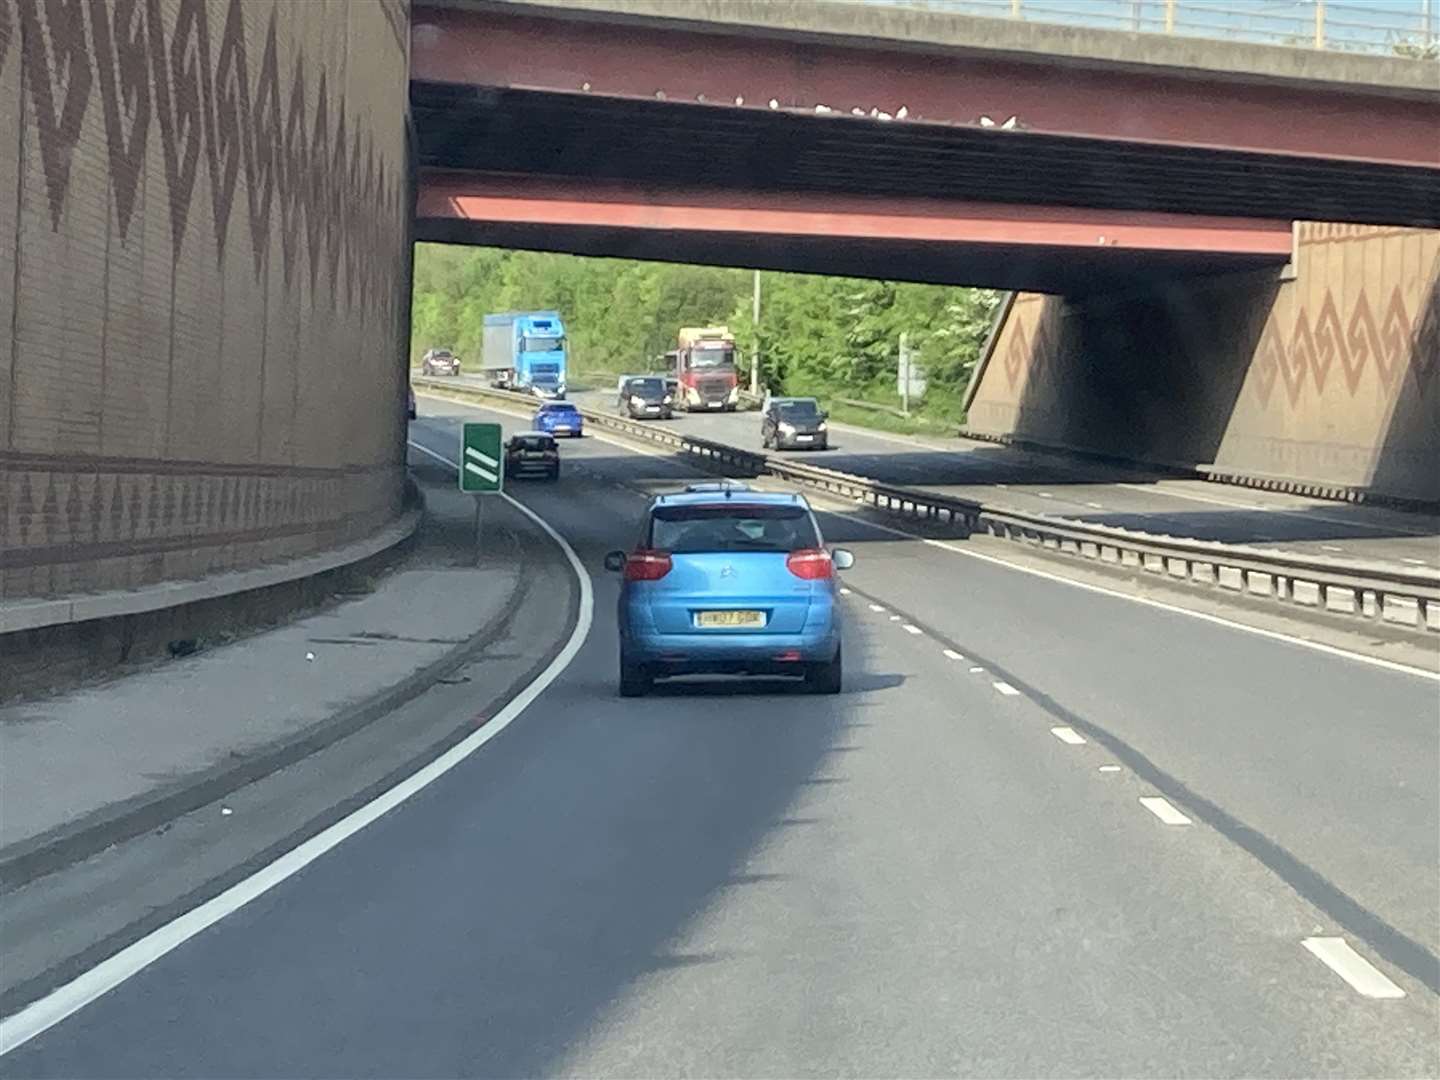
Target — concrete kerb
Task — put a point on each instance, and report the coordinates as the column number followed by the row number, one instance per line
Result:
column 37, row 614
column 30, row 859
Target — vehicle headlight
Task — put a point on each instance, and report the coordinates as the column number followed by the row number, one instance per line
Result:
column 668, row 399
column 823, row 426
column 735, row 393
column 637, row 401
column 787, row 429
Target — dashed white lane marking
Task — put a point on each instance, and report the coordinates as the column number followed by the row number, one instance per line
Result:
column 1006, row 689
column 1095, row 506
column 1308, row 511
column 976, row 670
column 1364, row 977
column 1330, row 547
column 1044, row 494
column 1414, row 562
column 896, row 618
column 877, row 608
column 1068, row 735
column 911, row 628
column 1162, row 809
column 1109, row 768
column 1204, row 616
column 951, row 654
column 844, row 592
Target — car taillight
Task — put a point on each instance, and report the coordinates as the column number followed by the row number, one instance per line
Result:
column 647, row 566
column 810, row 564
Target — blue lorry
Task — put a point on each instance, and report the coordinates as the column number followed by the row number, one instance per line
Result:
column 525, row 351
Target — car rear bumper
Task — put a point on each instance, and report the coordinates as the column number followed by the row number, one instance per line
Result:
column 729, row 652
column 819, row 442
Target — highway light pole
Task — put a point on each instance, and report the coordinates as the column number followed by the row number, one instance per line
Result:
column 755, row 349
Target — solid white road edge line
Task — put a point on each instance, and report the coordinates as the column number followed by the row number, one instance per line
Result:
column 1218, row 620
column 1292, row 511
column 1162, row 809
column 1068, row 735
column 75, row 995
column 1205, row 616
column 1006, row 689
column 1364, row 977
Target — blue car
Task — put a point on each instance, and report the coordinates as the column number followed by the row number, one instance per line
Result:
column 559, row 418
column 726, row 580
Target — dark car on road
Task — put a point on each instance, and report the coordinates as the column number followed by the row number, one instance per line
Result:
column 726, row 580
column 440, row 362
column 646, row 396
column 794, row 424
column 532, row 453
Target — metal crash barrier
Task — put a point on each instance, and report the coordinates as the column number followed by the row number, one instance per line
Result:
column 1366, row 590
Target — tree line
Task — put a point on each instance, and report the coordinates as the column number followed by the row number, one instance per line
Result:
column 829, row 336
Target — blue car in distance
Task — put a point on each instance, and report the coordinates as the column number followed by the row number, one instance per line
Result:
column 559, row 418
column 726, row 580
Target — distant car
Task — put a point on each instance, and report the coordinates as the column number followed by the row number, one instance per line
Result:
column 439, row 362
column 731, row 581
column 410, row 402
column 559, row 418
column 794, row 424
column 645, row 396
column 532, row 453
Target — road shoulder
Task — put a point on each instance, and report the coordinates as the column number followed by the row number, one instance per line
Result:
column 166, row 857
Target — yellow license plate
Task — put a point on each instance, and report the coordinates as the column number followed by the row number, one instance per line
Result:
column 729, row 618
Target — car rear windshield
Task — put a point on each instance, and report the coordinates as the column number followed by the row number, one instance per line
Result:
column 534, row 442
column 731, row 527
column 566, row 409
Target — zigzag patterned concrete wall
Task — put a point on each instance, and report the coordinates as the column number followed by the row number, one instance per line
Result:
column 1331, row 376
column 204, row 211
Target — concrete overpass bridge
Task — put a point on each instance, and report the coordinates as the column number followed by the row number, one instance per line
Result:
column 889, row 142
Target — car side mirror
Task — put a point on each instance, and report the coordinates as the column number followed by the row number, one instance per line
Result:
column 824, row 415
column 842, row 559
column 615, row 561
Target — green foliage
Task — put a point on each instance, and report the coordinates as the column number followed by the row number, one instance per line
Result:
column 828, row 336
column 1417, row 50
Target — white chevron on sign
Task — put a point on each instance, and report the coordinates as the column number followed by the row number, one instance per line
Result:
column 484, row 459
column 484, row 474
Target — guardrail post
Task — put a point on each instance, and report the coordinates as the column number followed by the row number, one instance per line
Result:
column 1319, row 24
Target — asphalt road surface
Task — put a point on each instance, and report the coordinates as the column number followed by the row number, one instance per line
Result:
column 946, row 870
column 1103, row 494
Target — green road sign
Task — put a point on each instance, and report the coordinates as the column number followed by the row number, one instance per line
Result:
column 482, row 461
